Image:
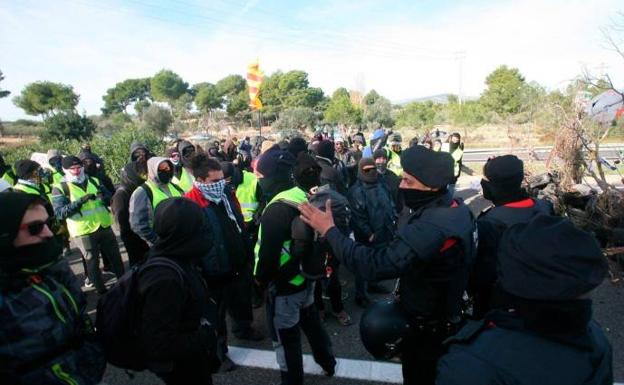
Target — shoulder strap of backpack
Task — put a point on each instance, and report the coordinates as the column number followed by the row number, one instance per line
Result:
column 177, row 188
column 161, row 261
column 148, row 192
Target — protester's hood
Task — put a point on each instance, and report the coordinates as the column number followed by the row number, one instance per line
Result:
column 152, row 168
column 136, row 146
column 131, row 176
column 180, row 225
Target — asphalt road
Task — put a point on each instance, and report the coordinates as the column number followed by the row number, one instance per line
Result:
column 608, row 151
column 608, row 310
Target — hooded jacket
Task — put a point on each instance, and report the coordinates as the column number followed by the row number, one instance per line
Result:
column 138, row 146
column 176, row 338
column 141, row 210
column 120, row 206
column 503, row 351
column 373, row 212
column 47, row 337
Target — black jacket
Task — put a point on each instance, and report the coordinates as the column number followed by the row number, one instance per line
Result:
column 120, row 207
column 170, row 330
column 372, row 213
column 501, row 351
column 431, row 253
column 276, row 222
column 491, row 225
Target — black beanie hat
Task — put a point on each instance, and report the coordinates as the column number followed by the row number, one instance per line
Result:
column 431, row 168
column 369, row 175
column 380, row 153
column 307, row 172
column 71, row 160
column 549, row 259
column 275, row 160
column 14, row 205
column 506, row 169
column 25, row 167
column 325, row 149
column 230, row 171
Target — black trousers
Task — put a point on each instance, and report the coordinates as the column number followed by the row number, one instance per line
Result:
column 287, row 317
column 333, row 289
column 237, row 297
column 420, row 354
column 233, row 295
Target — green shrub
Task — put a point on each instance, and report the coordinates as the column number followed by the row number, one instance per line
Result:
column 113, row 149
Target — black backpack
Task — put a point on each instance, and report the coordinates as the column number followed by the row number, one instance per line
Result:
column 314, row 264
column 117, row 322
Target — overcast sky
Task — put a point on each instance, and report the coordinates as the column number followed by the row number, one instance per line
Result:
column 402, row 49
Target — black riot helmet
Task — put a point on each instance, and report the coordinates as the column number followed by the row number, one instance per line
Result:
column 383, row 328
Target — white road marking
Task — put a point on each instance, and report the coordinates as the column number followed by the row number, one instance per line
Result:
column 345, row 368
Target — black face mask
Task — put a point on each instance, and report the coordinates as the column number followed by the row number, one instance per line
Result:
column 165, row 176
column 381, row 168
column 32, row 257
column 501, row 193
column 415, row 199
column 487, row 190
column 272, row 186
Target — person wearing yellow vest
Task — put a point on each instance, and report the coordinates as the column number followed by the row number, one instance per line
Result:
column 290, row 301
column 456, row 149
column 55, row 159
column 82, row 202
column 30, row 179
column 180, row 157
column 146, row 197
column 394, row 154
column 246, row 193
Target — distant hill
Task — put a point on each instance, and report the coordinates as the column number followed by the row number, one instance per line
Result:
column 440, row 98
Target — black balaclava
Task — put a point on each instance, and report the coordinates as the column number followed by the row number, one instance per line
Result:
column 415, row 199
column 369, row 175
column 307, row 172
column 454, row 146
column 382, row 168
column 32, row 257
column 276, row 167
column 505, row 175
column 131, row 175
column 57, row 163
column 233, row 173
column 175, row 241
column 186, row 150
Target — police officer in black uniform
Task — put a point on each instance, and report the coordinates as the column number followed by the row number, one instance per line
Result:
column 542, row 332
column 431, row 254
column 501, row 183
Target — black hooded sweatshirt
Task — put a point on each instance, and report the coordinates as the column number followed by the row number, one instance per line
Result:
column 178, row 347
column 136, row 247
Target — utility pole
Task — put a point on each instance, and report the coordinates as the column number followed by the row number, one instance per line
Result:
column 459, row 57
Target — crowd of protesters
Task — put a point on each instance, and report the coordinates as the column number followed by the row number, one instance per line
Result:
column 221, row 229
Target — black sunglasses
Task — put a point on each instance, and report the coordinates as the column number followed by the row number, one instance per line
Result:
column 36, row 227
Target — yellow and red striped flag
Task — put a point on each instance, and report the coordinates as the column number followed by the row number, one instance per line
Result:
column 254, row 79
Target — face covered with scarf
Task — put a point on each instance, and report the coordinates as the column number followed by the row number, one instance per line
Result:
column 26, row 241
column 212, row 186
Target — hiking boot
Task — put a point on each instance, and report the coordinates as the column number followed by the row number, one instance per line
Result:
column 227, row 365
column 343, row 318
